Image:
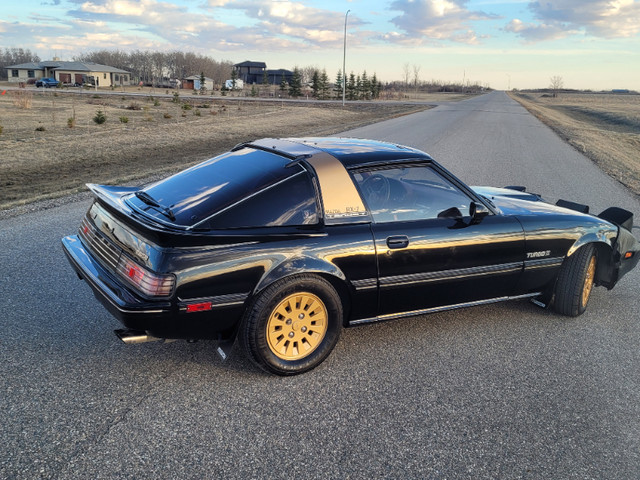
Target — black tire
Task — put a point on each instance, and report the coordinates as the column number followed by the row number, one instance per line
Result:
column 575, row 282
column 292, row 326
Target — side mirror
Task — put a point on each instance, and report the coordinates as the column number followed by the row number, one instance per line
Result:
column 453, row 212
column 478, row 211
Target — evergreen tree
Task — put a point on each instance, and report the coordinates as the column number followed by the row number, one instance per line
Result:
column 351, row 87
column 358, row 91
column 366, row 87
column 283, row 86
column 375, row 87
column 203, row 84
column 265, row 79
column 295, row 89
column 315, row 84
column 337, row 87
column 234, row 78
column 324, row 85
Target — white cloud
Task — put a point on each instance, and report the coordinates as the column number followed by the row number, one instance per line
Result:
column 599, row 18
column 304, row 25
column 425, row 20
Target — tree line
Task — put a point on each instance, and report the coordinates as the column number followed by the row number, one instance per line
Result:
column 315, row 82
column 154, row 68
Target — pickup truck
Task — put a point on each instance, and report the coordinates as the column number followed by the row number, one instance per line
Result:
column 47, row 82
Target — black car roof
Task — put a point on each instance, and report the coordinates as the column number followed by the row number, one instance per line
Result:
column 351, row 152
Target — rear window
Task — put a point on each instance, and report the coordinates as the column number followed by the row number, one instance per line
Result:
column 289, row 202
column 194, row 196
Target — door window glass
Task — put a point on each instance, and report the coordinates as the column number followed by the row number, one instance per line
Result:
column 410, row 193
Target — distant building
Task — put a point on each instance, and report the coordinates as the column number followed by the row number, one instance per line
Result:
column 193, row 83
column 253, row 72
column 276, row 76
column 250, row 72
column 69, row 73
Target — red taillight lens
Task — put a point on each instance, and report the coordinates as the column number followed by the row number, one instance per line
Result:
column 149, row 283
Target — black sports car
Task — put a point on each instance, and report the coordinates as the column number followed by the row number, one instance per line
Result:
column 282, row 242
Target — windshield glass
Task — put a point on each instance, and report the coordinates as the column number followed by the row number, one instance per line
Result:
column 200, row 191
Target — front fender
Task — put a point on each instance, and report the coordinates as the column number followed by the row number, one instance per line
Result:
column 600, row 237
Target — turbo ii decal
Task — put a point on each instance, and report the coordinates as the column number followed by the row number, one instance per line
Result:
column 542, row 254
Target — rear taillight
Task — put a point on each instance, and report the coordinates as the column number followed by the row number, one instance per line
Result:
column 148, row 283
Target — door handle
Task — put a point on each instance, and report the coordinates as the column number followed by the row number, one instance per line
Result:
column 399, row 241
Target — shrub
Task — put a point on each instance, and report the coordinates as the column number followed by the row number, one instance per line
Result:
column 186, row 106
column 22, row 99
column 156, row 102
column 167, row 115
column 124, row 119
column 71, row 122
column 100, row 117
column 41, row 129
column 176, row 97
column 197, row 113
column 134, row 106
column 0, row 129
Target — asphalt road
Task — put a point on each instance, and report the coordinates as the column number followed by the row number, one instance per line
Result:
column 501, row 391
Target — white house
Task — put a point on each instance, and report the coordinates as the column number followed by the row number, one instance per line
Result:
column 69, row 72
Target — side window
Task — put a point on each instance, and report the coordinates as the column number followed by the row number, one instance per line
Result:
column 14, row 73
column 31, row 74
column 289, row 202
column 410, row 193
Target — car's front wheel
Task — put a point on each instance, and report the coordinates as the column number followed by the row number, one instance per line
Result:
column 293, row 325
column 575, row 281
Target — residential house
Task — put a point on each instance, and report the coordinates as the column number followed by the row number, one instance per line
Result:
column 253, row 72
column 276, row 76
column 250, row 72
column 69, row 73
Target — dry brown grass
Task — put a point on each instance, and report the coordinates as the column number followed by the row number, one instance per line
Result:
column 604, row 127
column 46, row 155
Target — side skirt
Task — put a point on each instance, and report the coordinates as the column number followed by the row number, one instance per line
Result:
column 394, row 316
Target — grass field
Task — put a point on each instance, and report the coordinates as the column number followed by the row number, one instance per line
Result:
column 604, row 127
column 51, row 146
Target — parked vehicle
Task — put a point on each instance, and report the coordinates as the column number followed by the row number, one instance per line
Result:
column 283, row 242
column 47, row 82
column 229, row 84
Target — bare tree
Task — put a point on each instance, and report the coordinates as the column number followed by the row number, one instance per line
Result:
column 556, row 84
column 407, row 74
column 416, row 77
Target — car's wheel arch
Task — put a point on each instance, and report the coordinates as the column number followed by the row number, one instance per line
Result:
column 604, row 250
column 308, row 266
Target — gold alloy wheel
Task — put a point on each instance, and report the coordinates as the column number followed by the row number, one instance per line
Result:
column 297, row 326
column 588, row 281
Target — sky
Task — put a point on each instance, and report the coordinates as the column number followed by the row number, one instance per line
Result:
column 590, row 44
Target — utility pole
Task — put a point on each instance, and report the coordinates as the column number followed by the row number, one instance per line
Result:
column 344, row 59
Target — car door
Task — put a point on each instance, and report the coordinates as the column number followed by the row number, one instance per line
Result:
column 433, row 250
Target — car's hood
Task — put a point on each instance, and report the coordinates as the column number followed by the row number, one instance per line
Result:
column 515, row 202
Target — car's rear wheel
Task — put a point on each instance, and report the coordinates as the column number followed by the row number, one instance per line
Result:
column 293, row 325
column 575, row 281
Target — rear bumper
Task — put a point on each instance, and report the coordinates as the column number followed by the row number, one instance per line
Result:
column 132, row 311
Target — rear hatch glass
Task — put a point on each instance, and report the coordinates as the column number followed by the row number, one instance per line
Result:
column 195, row 194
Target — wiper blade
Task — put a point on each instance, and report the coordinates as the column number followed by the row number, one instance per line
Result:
column 146, row 198
column 149, row 200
